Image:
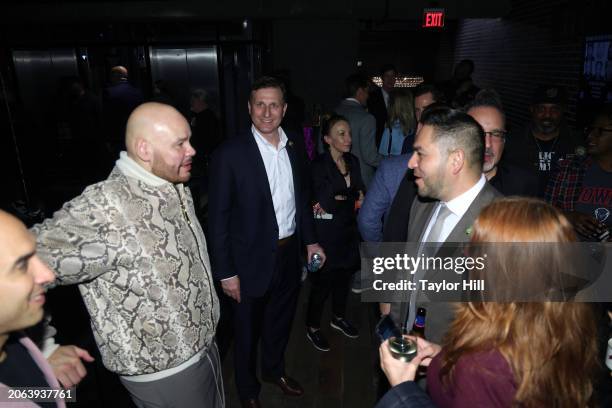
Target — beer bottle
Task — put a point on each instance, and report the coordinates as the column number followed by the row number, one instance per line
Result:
column 418, row 328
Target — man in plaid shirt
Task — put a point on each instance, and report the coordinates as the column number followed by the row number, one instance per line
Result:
column 583, row 185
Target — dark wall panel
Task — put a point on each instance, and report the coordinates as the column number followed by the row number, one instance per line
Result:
column 319, row 54
column 536, row 43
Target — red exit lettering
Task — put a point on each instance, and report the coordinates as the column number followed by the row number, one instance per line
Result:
column 433, row 19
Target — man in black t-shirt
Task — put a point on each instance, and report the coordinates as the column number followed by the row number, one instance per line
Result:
column 547, row 139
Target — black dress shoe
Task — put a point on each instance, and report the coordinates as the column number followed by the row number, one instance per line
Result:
column 288, row 385
column 250, row 403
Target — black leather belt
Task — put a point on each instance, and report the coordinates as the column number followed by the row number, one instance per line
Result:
column 285, row 240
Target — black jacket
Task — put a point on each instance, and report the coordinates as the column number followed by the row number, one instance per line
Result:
column 243, row 231
column 338, row 235
column 378, row 109
column 396, row 226
column 511, row 180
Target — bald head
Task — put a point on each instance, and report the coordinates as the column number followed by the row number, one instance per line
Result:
column 22, row 276
column 118, row 74
column 151, row 121
column 157, row 133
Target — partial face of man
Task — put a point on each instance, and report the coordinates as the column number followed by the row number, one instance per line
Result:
column 421, row 102
column 267, row 109
column 197, row 105
column 22, row 276
column 492, row 122
column 599, row 137
column 546, row 117
column 429, row 165
column 172, row 151
column 362, row 95
column 388, row 80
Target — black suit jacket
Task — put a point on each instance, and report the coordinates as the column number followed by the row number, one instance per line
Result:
column 511, row 180
column 243, row 231
column 377, row 107
column 396, row 226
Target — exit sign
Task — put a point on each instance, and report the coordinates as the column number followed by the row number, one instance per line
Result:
column 433, row 18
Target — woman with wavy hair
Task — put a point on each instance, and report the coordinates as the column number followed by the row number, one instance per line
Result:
column 507, row 354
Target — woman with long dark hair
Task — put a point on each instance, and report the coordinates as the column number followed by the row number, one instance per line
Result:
column 338, row 189
column 506, row 354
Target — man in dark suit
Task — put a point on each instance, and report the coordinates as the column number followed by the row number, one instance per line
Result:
column 508, row 179
column 259, row 216
column 120, row 98
column 378, row 103
column 447, row 164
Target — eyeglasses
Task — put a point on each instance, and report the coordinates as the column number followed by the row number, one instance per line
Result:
column 499, row 135
column 598, row 130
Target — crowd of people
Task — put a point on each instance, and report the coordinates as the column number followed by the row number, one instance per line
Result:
column 429, row 166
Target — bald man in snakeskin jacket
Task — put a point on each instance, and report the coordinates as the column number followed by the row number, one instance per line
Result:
column 135, row 248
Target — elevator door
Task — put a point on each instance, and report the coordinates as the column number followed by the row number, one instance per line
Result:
column 39, row 80
column 41, row 126
column 185, row 69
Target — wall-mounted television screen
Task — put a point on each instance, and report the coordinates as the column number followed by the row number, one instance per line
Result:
column 597, row 68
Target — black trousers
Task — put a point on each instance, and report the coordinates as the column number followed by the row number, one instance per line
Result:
column 323, row 282
column 268, row 318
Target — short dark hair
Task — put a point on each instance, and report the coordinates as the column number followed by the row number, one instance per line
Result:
column 269, row 82
column 425, row 87
column 353, row 83
column 385, row 68
column 487, row 98
column 604, row 110
column 455, row 129
column 200, row 94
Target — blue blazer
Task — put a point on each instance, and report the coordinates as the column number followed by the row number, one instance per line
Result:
column 380, row 195
column 243, row 231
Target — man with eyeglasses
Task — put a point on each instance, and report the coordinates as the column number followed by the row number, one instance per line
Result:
column 583, row 186
column 547, row 139
column 487, row 110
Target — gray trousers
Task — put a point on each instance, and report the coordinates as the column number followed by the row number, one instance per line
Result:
column 199, row 385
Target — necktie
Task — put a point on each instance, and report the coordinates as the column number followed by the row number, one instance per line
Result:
column 435, row 233
column 433, row 243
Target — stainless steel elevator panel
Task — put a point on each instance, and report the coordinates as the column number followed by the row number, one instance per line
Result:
column 39, row 74
column 186, row 69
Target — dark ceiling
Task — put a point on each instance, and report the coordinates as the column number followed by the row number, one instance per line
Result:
column 14, row 12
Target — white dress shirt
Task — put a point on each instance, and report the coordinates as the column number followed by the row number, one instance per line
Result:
column 385, row 95
column 280, row 179
column 458, row 206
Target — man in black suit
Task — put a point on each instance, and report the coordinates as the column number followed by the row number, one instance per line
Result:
column 508, row 179
column 378, row 102
column 447, row 164
column 120, row 98
column 259, row 216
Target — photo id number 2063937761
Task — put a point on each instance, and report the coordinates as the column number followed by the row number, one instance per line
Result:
column 36, row 394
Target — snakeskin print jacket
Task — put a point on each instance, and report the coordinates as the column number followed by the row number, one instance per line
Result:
column 135, row 248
